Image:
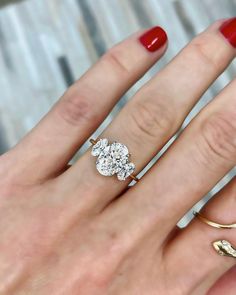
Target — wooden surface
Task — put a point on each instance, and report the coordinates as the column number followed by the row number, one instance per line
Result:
column 46, row 45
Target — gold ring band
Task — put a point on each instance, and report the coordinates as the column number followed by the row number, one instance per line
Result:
column 213, row 223
column 134, row 177
column 93, row 142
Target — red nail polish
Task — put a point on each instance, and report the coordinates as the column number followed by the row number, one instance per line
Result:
column 153, row 39
column 228, row 29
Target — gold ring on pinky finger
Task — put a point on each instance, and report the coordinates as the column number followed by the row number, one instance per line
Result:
column 113, row 159
column 222, row 247
column 213, row 223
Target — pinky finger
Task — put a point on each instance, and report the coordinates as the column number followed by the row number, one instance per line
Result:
column 201, row 265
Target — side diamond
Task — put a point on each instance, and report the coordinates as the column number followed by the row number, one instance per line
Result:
column 126, row 171
column 99, row 147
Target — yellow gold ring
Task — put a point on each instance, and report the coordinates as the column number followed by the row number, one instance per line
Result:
column 213, row 223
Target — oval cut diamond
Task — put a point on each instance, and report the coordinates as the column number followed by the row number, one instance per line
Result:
column 119, row 150
column 105, row 165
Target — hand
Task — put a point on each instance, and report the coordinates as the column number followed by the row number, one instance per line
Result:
column 73, row 231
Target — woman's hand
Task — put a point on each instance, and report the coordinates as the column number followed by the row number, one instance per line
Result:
column 74, row 231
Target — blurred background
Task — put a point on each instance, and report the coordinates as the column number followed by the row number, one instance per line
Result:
column 45, row 45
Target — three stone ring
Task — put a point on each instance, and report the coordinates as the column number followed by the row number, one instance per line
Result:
column 113, row 158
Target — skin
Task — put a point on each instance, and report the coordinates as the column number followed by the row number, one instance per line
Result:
column 72, row 231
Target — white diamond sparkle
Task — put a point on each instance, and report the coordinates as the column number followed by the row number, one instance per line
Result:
column 99, row 146
column 112, row 159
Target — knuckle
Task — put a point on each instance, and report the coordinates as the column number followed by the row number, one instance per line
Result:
column 219, row 137
column 201, row 51
column 115, row 58
column 151, row 119
column 75, row 108
column 111, row 252
column 98, row 279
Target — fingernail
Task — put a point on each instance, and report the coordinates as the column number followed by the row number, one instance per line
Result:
column 228, row 29
column 153, row 39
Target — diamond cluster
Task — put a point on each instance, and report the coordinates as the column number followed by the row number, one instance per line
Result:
column 112, row 159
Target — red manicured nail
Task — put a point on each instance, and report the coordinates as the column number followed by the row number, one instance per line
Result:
column 228, row 29
column 153, row 39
